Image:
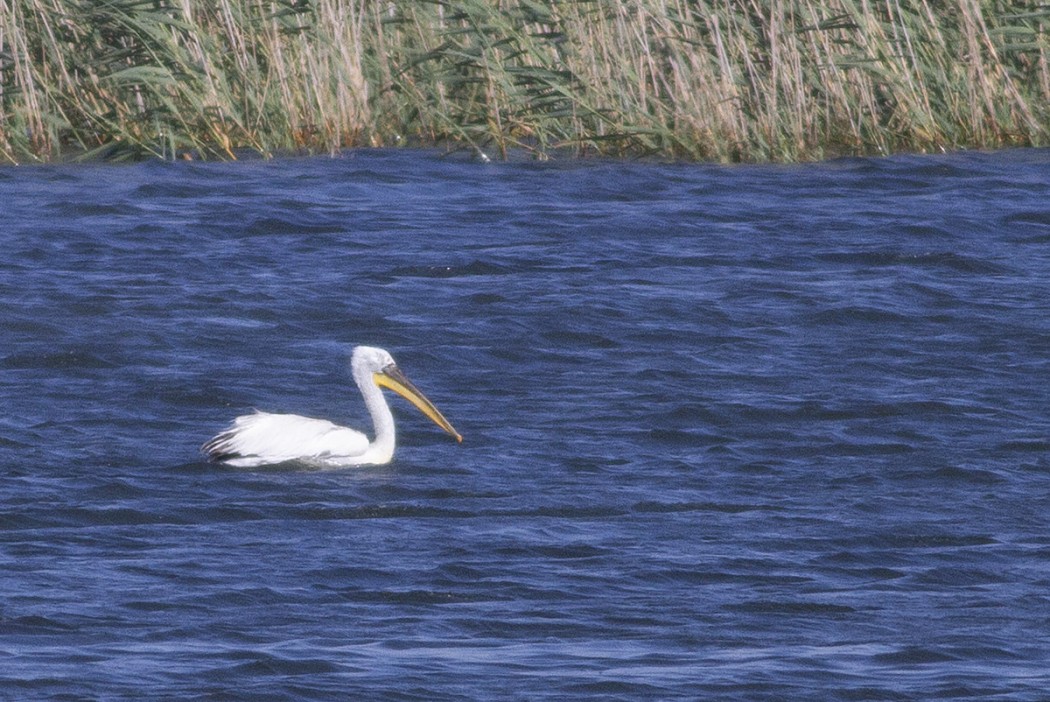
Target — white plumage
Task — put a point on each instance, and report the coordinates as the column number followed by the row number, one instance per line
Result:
column 263, row 438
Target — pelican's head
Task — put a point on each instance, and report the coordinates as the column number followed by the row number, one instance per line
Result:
column 374, row 365
column 371, row 359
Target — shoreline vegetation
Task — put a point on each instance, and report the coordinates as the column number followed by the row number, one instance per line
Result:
column 710, row 80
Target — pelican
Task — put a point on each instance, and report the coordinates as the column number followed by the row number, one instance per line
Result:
column 263, row 438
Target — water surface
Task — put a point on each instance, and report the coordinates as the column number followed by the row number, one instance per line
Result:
column 751, row 433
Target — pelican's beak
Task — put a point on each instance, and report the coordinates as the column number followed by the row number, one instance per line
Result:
column 392, row 377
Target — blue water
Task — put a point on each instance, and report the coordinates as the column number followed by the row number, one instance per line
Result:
column 735, row 433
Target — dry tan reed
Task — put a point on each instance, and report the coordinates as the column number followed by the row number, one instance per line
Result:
column 702, row 79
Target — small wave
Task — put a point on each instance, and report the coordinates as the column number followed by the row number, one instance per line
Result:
column 273, row 666
column 474, row 268
column 854, row 314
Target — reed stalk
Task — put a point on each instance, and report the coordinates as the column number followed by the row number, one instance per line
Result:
column 723, row 80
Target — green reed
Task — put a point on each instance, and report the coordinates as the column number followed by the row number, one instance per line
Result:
column 721, row 80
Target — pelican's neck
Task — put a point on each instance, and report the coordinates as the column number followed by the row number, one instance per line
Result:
column 381, row 448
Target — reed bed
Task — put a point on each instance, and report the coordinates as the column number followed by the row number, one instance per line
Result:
column 723, row 80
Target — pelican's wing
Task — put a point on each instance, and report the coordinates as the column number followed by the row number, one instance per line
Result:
column 264, row 439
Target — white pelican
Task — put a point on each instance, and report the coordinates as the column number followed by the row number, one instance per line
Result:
column 265, row 439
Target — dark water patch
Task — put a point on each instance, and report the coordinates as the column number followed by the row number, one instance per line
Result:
column 74, row 209
column 59, row 360
column 904, row 539
column 34, row 625
column 617, row 690
column 580, row 339
column 914, row 655
column 289, row 226
column 791, row 608
column 973, row 475
column 275, row 666
column 959, row 577
column 671, row 507
column 1039, row 218
column 933, row 260
column 1034, row 446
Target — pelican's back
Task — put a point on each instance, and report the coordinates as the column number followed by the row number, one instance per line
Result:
column 265, row 439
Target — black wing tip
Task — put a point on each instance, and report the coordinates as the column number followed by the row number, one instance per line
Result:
column 217, row 449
